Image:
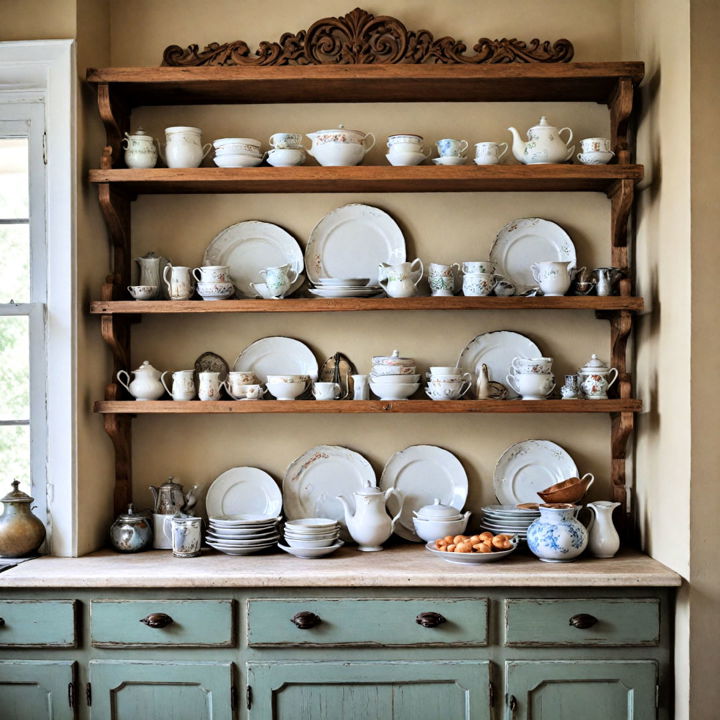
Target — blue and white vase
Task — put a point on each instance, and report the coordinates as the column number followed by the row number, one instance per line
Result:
column 557, row 535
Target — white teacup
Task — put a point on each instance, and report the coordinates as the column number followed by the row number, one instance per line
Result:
column 447, row 389
column 242, row 377
column 405, row 142
column 285, row 141
column 279, row 279
column 475, row 267
column 212, row 274
column 326, row 390
column 286, row 157
column 143, row 292
column 596, row 144
column 531, row 386
column 254, row 392
column 478, row 285
column 449, row 147
column 538, row 365
column 282, row 387
column 489, row 153
column 444, row 370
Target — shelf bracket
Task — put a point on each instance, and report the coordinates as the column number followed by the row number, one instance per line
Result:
column 115, row 207
column 118, row 429
column 622, row 194
column 116, row 119
column 621, row 104
column 622, row 428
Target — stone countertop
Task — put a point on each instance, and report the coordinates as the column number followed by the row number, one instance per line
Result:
column 400, row 566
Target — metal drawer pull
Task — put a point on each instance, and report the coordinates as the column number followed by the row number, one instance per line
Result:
column 512, row 704
column 430, row 619
column 2, row 622
column 583, row 621
column 157, row 620
column 305, row 620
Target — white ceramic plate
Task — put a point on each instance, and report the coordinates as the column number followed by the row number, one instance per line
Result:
column 239, row 551
column 421, row 473
column 314, row 480
column 496, row 350
column 340, row 293
column 311, row 553
column 509, row 510
column 526, row 241
column 220, row 533
column 342, row 282
column 529, row 466
column 244, row 490
column 277, row 356
column 352, row 241
column 471, row 558
column 248, row 247
column 244, row 543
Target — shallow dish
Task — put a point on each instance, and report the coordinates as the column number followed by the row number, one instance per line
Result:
column 395, row 379
column 342, row 282
column 243, row 519
column 311, row 524
column 263, row 542
column 311, row 553
column 311, row 544
column 236, row 161
column 394, row 391
column 452, row 160
column 240, row 551
column 472, row 558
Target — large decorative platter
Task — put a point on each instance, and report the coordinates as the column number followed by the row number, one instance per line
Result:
column 496, row 350
column 351, row 242
column 526, row 241
column 313, row 481
column 277, row 355
column 248, row 247
column 529, row 466
column 244, row 490
column 421, row 473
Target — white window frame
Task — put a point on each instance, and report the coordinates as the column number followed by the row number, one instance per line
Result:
column 43, row 71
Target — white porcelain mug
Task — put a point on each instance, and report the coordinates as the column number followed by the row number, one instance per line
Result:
column 183, row 387
column 326, row 390
column 209, row 385
column 184, row 148
column 212, row 274
column 179, row 284
column 489, row 153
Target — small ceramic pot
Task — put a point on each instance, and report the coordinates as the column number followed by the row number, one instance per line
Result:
column 184, row 148
column 140, row 150
column 557, row 536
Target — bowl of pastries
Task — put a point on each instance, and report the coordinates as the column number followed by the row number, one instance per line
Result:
column 473, row 549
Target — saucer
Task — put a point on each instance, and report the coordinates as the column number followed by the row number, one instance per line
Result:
column 450, row 160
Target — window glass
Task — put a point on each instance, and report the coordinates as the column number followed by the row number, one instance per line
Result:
column 14, row 263
column 15, row 456
column 14, row 369
column 14, row 188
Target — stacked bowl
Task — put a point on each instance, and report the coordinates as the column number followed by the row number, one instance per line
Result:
column 344, row 287
column 394, row 377
column 311, row 537
column 237, row 152
column 531, row 378
column 508, row 519
column 242, row 534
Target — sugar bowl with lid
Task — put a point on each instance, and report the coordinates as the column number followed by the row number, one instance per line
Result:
column 140, row 150
column 437, row 520
column 595, row 378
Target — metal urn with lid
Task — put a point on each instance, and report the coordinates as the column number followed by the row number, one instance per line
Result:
column 21, row 532
column 131, row 531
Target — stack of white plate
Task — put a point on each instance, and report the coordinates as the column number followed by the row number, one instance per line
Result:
column 507, row 519
column 344, row 287
column 312, row 537
column 242, row 534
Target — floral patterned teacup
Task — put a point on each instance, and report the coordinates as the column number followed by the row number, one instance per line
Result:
column 449, row 147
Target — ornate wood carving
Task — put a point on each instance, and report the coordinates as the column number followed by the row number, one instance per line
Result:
column 362, row 38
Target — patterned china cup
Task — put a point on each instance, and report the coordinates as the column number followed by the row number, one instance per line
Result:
column 489, row 153
column 285, row 141
column 531, row 386
column 480, row 284
column 326, row 390
column 449, row 147
column 475, row 267
column 596, row 144
column 539, row 365
column 143, row 292
column 212, row 274
column 279, row 279
column 405, row 143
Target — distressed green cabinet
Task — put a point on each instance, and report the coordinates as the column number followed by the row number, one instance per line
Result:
column 136, row 689
column 581, row 690
column 37, row 689
column 442, row 690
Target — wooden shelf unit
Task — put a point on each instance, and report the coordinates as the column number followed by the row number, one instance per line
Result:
column 122, row 89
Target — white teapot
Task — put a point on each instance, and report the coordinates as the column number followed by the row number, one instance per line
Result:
column 594, row 378
column 140, row 150
column 400, row 280
column 544, row 145
column 340, row 147
column 370, row 526
column 146, row 384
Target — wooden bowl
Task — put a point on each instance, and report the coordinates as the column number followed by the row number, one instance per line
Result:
column 571, row 490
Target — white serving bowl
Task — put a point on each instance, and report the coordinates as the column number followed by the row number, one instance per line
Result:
column 333, row 154
column 286, row 157
column 294, row 542
column 431, row 530
column 286, row 391
column 215, row 291
column 404, row 159
column 595, row 158
column 237, row 160
column 391, row 391
column 387, row 370
column 395, row 379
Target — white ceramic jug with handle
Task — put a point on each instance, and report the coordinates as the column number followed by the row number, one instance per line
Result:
column 370, row 526
column 604, row 541
column 400, row 280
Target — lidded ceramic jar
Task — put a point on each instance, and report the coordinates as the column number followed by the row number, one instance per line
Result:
column 434, row 521
column 437, row 511
column 131, row 531
column 21, row 532
column 140, row 150
column 340, row 146
column 595, row 380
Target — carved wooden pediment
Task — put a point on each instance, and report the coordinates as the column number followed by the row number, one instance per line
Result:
column 365, row 39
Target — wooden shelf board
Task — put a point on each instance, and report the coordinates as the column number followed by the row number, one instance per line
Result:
column 512, row 82
column 195, row 407
column 370, row 178
column 613, row 303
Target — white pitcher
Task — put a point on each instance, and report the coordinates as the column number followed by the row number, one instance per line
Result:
column 400, row 280
column 604, row 540
column 209, row 385
column 183, row 387
column 179, row 284
column 553, row 276
column 370, row 526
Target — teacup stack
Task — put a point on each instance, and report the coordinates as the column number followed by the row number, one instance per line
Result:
column 243, row 385
column 596, row 151
column 287, row 150
column 214, row 282
column 242, row 534
column 394, row 377
column 406, row 149
column 479, row 277
column 311, row 537
column 532, row 378
column 447, row 383
column 237, row 152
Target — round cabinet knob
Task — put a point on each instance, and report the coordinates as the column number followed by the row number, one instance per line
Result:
column 305, row 620
column 583, row 621
column 2, row 622
column 157, row 620
column 430, row 619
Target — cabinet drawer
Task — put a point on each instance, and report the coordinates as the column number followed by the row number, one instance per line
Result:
column 618, row 622
column 187, row 623
column 27, row 623
column 367, row 622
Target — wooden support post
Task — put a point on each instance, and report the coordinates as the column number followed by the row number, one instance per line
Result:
column 620, row 104
column 116, row 118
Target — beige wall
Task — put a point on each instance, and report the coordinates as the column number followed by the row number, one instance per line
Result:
column 37, row 19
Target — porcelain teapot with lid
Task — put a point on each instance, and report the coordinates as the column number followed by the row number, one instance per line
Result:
column 340, row 146
column 400, row 280
column 594, row 378
column 146, row 384
column 370, row 525
column 544, row 144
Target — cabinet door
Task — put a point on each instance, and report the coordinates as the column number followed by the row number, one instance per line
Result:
column 128, row 690
column 572, row 689
column 36, row 689
column 362, row 690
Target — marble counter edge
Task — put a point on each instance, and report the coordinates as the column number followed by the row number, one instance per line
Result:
column 401, row 567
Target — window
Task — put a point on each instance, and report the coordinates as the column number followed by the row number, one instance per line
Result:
column 23, row 364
